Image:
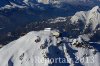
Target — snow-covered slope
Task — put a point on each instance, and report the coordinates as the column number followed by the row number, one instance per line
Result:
column 89, row 19
column 41, row 48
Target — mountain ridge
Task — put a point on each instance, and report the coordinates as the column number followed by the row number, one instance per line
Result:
column 44, row 45
column 89, row 19
column 31, row 3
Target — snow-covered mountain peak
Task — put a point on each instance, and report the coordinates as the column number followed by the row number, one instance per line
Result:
column 95, row 9
column 90, row 19
column 40, row 48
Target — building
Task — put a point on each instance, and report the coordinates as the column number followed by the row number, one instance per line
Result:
column 43, row 1
column 48, row 1
column 47, row 29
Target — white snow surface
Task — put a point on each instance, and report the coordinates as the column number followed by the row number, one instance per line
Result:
column 22, row 52
column 91, row 17
column 58, row 19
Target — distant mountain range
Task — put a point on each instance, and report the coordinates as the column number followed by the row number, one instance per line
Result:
column 30, row 3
